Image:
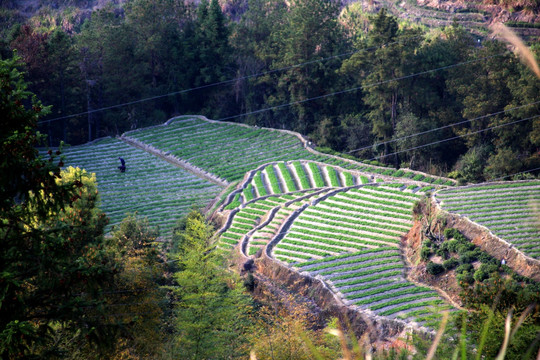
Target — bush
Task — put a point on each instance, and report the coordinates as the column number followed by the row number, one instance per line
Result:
column 467, row 257
column 450, row 233
column 480, row 275
column 485, row 258
column 465, row 277
column 434, row 269
column 450, row 246
column 450, row 264
column 463, row 248
column 442, row 253
column 464, row 268
column 425, row 253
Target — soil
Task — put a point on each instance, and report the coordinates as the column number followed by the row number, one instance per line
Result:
column 498, row 13
column 445, row 284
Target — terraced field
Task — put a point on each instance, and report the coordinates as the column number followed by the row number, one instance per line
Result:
column 299, row 175
column 365, row 218
column 373, row 279
column 151, row 186
column 230, row 150
column 509, row 210
column 333, row 225
column 250, row 217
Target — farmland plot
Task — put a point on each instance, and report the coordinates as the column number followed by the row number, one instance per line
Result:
column 252, row 215
column 152, row 187
column 509, row 210
column 351, row 239
column 284, row 177
column 365, row 218
column 373, row 279
column 230, row 150
column 226, row 150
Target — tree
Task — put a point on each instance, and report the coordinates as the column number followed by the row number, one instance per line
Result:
column 213, row 56
column 394, row 57
column 213, row 312
column 310, row 32
column 52, row 254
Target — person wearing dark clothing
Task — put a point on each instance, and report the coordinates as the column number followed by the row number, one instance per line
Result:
column 123, row 166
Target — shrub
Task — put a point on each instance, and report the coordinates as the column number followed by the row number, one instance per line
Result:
column 450, row 246
column 463, row 248
column 442, row 253
column 489, row 268
column 450, row 264
column 467, row 257
column 465, row 277
column 450, row 233
column 485, row 258
column 480, row 275
column 434, row 269
column 425, row 253
column 463, row 268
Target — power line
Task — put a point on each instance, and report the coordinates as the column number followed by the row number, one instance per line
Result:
column 518, row 173
column 442, row 127
column 454, row 137
column 227, row 81
column 360, row 87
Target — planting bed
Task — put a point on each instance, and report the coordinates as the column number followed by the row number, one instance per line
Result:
column 229, row 150
column 374, row 279
column 509, row 210
column 150, row 186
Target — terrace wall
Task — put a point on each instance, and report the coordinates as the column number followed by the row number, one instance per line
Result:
column 495, row 246
column 492, row 244
column 378, row 328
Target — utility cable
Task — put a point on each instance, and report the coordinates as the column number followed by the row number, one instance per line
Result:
column 454, row 137
column 442, row 127
column 518, row 173
column 227, row 81
column 361, row 87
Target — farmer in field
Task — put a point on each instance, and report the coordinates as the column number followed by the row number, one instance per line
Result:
column 123, row 166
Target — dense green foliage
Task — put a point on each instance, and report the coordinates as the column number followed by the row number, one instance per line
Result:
column 298, row 53
column 213, row 312
column 66, row 290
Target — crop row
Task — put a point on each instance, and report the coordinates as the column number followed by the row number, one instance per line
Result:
column 352, row 219
column 317, row 178
column 274, row 182
column 339, row 257
column 342, row 241
column 261, row 189
column 354, row 260
column 333, row 229
column 512, row 217
column 509, row 185
column 148, row 184
column 383, row 199
column 333, row 176
column 374, row 240
column 368, row 282
column 302, row 175
column 368, row 207
column 305, row 245
column 359, row 266
column 289, row 182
